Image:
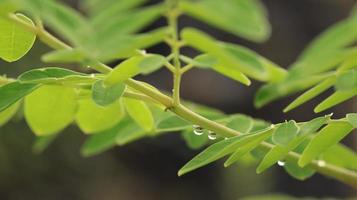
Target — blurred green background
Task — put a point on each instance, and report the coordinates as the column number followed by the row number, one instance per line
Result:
column 146, row 169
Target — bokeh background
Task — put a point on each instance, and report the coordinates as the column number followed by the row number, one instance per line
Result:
column 146, row 169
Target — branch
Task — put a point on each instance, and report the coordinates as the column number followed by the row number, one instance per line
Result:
column 344, row 175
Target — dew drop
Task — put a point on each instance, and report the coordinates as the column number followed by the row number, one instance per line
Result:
column 198, row 130
column 321, row 163
column 212, row 135
column 226, row 138
column 281, row 163
column 92, row 75
column 272, row 126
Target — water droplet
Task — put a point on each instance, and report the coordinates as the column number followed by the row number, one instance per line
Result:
column 92, row 75
column 321, row 163
column 272, row 126
column 329, row 115
column 212, row 135
column 226, row 138
column 198, row 130
column 281, row 163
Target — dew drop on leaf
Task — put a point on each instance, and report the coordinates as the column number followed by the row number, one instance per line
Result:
column 212, row 135
column 198, row 130
column 281, row 163
column 321, row 163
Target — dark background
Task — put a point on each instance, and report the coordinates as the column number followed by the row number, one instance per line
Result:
column 146, row 170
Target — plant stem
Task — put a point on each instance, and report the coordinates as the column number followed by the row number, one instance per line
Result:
column 344, row 175
column 172, row 15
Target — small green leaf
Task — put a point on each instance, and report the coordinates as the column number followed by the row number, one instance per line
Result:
column 327, row 137
column 15, row 41
column 352, row 119
column 151, row 63
column 194, row 141
column 237, row 57
column 334, row 99
column 241, row 123
column 126, row 22
column 8, row 113
column 278, row 153
column 245, row 148
column 347, row 81
column 202, row 61
column 285, row 133
column 61, row 18
column 104, row 140
column 219, row 150
column 92, row 118
column 291, row 84
column 64, row 56
column 140, row 113
column 42, row 142
column 124, row 71
column 47, row 75
column 340, row 35
column 13, row 92
column 109, row 8
column 173, row 123
column 311, row 93
column 314, row 125
column 243, row 18
column 341, row 156
column 50, row 109
column 294, row 170
column 105, row 95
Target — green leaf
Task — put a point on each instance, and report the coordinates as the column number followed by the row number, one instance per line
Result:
column 347, row 81
column 8, row 113
column 131, row 133
column 352, row 119
column 13, row 92
column 311, row 93
column 243, row 18
column 241, row 123
column 245, row 148
column 105, row 95
column 337, row 36
column 140, row 113
column 124, row 71
column 64, row 56
column 92, row 118
column 126, row 22
column 335, row 98
column 109, row 7
column 291, row 84
column 237, row 57
column 219, row 150
column 61, row 18
column 327, row 137
column 50, row 109
column 173, row 123
column 279, row 152
column 15, row 41
column 105, row 140
column 314, row 125
column 194, row 141
column 294, row 170
column 151, row 63
column 285, row 133
column 42, row 142
column 341, row 156
column 47, row 75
